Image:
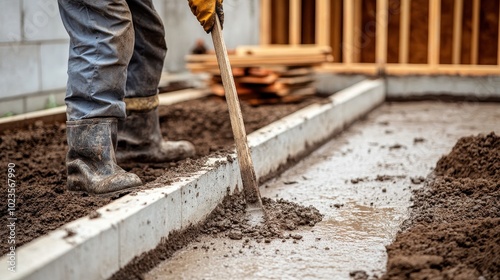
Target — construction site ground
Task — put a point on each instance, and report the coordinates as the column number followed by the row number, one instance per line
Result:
column 361, row 181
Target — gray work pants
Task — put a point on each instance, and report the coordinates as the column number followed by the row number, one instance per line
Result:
column 117, row 49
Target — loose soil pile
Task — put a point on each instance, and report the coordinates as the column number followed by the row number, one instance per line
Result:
column 42, row 201
column 229, row 220
column 454, row 229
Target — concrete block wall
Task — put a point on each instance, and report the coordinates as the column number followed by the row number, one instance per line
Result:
column 33, row 55
column 34, row 46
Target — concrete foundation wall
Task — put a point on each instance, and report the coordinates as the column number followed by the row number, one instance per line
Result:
column 34, row 46
column 328, row 83
column 469, row 88
column 466, row 88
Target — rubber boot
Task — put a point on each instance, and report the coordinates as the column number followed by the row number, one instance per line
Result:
column 140, row 140
column 91, row 162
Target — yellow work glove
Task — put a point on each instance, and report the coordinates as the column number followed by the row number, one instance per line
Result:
column 206, row 11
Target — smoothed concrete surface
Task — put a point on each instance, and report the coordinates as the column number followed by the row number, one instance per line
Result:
column 396, row 143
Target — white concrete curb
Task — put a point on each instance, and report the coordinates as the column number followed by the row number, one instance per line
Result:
column 137, row 223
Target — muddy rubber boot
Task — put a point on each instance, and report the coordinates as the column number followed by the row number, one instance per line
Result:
column 91, row 162
column 140, row 140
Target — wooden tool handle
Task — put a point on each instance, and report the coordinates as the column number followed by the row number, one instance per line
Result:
column 250, row 186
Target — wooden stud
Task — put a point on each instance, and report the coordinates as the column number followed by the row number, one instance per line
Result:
column 265, row 22
column 457, row 31
column 381, row 38
column 348, row 42
column 336, row 28
column 357, row 18
column 434, row 32
column 295, row 22
column 475, row 31
column 279, row 22
column 323, row 22
column 404, row 31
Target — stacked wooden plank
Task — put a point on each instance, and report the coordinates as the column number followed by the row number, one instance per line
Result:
column 266, row 75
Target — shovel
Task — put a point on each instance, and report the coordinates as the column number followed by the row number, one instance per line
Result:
column 255, row 211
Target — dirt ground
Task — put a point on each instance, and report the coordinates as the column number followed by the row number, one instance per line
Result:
column 454, row 229
column 43, row 203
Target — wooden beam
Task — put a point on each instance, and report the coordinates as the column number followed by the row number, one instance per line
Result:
column 57, row 114
column 357, row 17
column 434, row 32
column 457, row 31
column 295, row 22
column 443, row 69
column 337, row 31
column 404, row 31
column 381, row 38
column 281, row 50
column 265, row 22
column 476, row 5
column 498, row 52
column 348, row 42
column 323, row 22
column 353, row 68
column 411, row 69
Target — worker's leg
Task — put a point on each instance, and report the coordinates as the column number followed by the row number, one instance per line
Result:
column 146, row 64
column 139, row 137
column 101, row 44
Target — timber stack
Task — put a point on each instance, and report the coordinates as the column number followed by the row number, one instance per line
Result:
column 266, row 74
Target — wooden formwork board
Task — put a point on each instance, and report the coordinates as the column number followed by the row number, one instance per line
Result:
column 336, row 30
column 295, row 22
column 281, row 50
column 404, row 31
column 412, row 69
column 348, row 33
column 323, row 22
column 434, row 32
column 381, row 38
column 58, row 114
column 338, row 23
column 475, row 31
column 265, row 22
column 457, row 31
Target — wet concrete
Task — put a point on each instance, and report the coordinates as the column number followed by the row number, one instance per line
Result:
column 361, row 181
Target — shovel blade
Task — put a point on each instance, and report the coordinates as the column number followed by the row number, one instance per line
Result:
column 255, row 214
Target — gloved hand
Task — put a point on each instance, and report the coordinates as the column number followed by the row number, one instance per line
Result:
column 206, row 11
